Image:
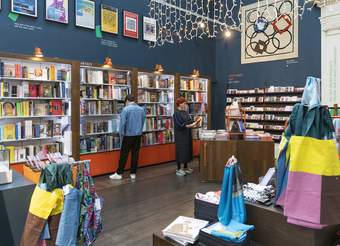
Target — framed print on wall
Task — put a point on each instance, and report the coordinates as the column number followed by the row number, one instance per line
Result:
column 85, row 13
column 57, row 10
column 149, row 29
column 25, row 7
column 270, row 31
column 130, row 25
column 109, row 19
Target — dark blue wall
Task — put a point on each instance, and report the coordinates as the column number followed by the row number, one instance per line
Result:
column 284, row 73
column 68, row 41
column 215, row 58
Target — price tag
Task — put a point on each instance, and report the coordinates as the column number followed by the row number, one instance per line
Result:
column 66, row 190
column 97, row 204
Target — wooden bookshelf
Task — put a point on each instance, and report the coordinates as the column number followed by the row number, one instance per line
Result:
column 26, row 82
column 267, row 109
column 155, row 92
column 196, row 90
column 102, row 95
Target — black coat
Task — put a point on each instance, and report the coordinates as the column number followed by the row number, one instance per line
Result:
column 183, row 136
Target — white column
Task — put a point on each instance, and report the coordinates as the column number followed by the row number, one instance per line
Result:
column 330, row 54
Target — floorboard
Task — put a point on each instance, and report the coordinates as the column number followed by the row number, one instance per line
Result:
column 134, row 210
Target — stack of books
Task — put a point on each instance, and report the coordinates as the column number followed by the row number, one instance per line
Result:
column 184, row 230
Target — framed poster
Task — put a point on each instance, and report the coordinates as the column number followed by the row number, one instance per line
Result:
column 57, row 10
column 270, row 31
column 85, row 13
column 130, row 25
column 109, row 19
column 25, row 7
column 149, row 29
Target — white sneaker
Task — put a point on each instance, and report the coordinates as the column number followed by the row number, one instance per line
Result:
column 115, row 176
column 188, row 170
column 180, row 172
column 133, row 176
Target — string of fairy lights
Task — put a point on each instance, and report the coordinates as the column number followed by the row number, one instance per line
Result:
column 179, row 20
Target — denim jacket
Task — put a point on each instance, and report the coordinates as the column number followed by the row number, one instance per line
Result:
column 132, row 120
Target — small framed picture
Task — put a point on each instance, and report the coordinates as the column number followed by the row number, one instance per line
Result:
column 109, row 19
column 149, row 29
column 85, row 13
column 57, row 10
column 130, row 25
column 25, row 7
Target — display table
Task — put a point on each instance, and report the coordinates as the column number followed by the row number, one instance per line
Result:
column 271, row 228
column 255, row 158
column 14, row 202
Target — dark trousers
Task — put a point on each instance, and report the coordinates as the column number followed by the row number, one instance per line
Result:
column 129, row 143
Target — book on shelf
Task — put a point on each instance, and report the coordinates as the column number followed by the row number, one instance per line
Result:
column 35, row 71
column 32, row 89
column 28, row 130
column 100, row 107
column 161, row 137
column 194, row 96
column 156, row 109
column 159, row 96
column 197, row 109
column 108, row 93
column 111, row 77
column 156, row 124
column 100, row 143
column 155, row 81
column 194, row 84
column 103, row 126
column 20, row 153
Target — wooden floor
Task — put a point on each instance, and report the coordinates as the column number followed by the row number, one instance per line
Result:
column 134, row 210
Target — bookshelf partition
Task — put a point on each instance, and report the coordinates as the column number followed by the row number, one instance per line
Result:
column 196, row 90
column 102, row 94
column 35, row 106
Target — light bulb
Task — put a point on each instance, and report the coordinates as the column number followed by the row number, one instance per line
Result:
column 227, row 34
column 202, row 24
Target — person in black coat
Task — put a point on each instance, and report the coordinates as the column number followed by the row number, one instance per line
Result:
column 183, row 124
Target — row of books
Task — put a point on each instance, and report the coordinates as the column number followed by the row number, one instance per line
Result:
column 197, row 109
column 100, row 107
column 266, row 117
column 270, row 89
column 28, row 130
column 104, row 126
column 265, row 99
column 156, row 109
column 108, row 93
column 102, row 143
column 36, row 71
column 155, row 81
column 287, row 108
column 156, row 124
column 33, row 108
column 194, row 97
column 194, row 84
column 152, row 138
column 160, row 96
column 20, row 153
column 112, row 77
column 28, row 89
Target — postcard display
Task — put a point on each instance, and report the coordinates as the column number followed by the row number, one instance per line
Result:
column 195, row 91
column 156, row 94
column 35, row 108
column 102, row 94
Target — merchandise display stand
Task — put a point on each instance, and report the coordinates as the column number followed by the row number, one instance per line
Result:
column 214, row 155
column 14, row 202
column 267, row 109
column 159, row 240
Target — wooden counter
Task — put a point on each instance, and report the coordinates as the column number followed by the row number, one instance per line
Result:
column 255, row 158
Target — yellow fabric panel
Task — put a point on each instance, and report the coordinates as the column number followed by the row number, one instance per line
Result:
column 314, row 156
column 59, row 203
column 42, row 203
